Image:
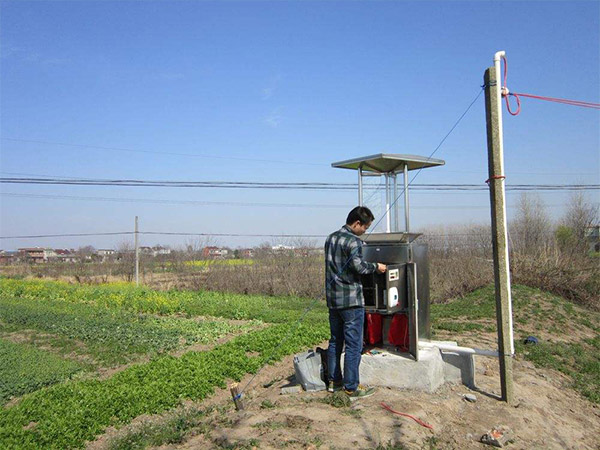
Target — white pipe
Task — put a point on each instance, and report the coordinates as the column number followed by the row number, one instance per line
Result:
column 416, row 308
column 457, row 349
column 498, row 91
column 387, row 204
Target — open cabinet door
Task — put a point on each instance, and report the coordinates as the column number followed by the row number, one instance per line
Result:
column 413, row 309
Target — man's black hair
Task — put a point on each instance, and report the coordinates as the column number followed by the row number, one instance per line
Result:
column 362, row 214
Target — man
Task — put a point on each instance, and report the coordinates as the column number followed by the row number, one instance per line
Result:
column 344, row 264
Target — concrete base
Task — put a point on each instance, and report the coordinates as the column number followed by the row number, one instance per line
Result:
column 434, row 368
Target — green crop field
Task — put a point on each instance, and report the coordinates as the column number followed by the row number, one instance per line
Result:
column 73, row 330
column 26, row 369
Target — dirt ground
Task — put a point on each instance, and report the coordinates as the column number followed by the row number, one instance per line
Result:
column 547, row 416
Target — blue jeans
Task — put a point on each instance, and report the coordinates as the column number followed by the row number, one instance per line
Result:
column 346, row 327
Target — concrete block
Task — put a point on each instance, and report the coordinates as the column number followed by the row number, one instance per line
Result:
column 434, row 368
column 402, row 371
column 459, row 368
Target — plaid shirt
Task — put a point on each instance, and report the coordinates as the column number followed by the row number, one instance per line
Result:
column 343, row 264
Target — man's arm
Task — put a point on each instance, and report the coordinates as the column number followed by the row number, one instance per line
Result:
column 358, row 264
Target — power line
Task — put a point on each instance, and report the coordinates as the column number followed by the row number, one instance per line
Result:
column 481, row 173
column 116, row 233
column 279, row 185
column 168, row 202
column 174, row 233
column 196, row 155
column 214, row 203
column 166, row 233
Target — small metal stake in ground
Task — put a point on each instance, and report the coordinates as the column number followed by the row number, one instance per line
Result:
column 493, row 110
column 237, row 398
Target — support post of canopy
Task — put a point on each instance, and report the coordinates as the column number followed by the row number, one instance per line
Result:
column 387, row 203
column 360, row 187
column 396, row 222
column 406, row 206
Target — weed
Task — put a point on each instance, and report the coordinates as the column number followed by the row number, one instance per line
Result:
column 432, row 442
column 316, row 441
column 267, row 404
column 356, row 413
column 337, row 400
column 171, row 431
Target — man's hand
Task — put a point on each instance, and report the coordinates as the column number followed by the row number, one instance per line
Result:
column 381, row 268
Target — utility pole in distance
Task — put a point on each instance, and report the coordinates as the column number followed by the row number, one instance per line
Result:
column 137, row 254
column 493, row 113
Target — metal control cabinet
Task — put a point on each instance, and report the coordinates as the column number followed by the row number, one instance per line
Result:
column 406, row 259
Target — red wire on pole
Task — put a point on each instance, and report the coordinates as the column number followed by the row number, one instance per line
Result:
column 560, row 100
column 506, row 93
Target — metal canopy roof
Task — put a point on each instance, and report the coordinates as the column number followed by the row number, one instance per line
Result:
column 386, row 163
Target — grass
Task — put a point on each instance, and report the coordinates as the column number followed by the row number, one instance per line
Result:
column 580, row 361
column 26, row 369
column 270, row 425
column 568, row 334
column 171, row 431
column 267, row 404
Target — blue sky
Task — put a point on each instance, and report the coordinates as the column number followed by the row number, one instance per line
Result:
column 303, row 84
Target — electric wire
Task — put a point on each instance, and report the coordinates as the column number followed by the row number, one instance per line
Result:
column 196, row 155
column 282, row 185
column 167, row 233
column 178, row 233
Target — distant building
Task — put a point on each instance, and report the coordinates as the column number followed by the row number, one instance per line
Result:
column 214, row 252
column 8, row 257
column 160, row 250
column 282, row 248
column 65, row 255
column 246, row 253
column 145, row 250
column 37, row 254
column 105, row 252
column 155, row 251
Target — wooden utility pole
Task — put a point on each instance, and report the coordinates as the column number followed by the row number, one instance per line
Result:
column 137, row 254
column 493, row 112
